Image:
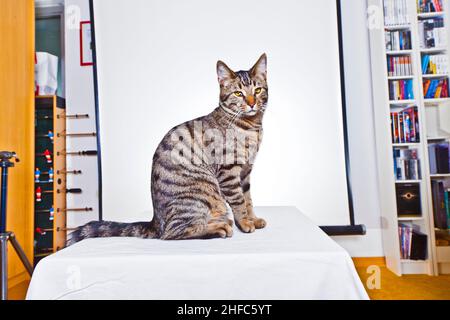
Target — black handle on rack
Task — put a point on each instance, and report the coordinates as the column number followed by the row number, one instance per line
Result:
column 90, row 153
column 75, row 191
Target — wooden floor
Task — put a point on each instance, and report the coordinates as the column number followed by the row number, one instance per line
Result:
column 409, row 287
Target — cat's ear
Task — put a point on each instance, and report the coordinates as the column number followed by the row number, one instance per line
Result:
column 224, row 74
column 260, row 67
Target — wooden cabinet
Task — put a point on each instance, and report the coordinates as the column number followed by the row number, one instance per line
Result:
column 17, row 122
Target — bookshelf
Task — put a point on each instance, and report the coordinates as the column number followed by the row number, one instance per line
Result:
column 411, row 116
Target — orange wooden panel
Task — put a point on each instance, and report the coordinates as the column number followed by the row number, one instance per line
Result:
column 17, row 121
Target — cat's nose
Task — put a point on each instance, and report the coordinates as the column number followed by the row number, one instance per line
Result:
column 251, row 101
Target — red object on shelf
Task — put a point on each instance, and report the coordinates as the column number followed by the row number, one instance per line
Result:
column 38, row 194
column 40, row 231
column 48, row 156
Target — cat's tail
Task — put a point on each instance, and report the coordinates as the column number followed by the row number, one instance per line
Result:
column 103, row 229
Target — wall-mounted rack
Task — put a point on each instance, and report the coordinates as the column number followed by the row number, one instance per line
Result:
column 49, row 176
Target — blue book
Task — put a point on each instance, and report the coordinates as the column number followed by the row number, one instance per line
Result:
column 435, row 86
column 425, row 62
column 447, row 206
column 409, row 90
column 427, row 94
column 432, row 89
column 401, row 40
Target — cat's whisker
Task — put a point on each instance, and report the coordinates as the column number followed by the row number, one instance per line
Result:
column 234, row 118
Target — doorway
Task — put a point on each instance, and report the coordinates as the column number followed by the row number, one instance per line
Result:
column 49, row 37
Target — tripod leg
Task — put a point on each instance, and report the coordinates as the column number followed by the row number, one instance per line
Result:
column 20, row 253
column 4, row 265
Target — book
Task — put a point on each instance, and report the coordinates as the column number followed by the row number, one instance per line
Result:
column 439, row 208
column 447, row 205
column 432, row 33
column 436, row 88
column 439, row 158
column 413, row 243
column 405, row 236
column 442, row 158
column 405, row 125
column 425, row 63
column 406, row 164
column 432, row 158
column 408, row 200
column 401, row 90
column 426, row 6
column 398, row 40
column 435, row 64
column 399, row 66
column 418, row 246
column 395, row 12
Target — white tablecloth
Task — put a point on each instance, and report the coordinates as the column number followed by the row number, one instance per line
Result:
column 290, row 259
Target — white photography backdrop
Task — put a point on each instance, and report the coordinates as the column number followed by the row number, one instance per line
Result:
column 156, row 69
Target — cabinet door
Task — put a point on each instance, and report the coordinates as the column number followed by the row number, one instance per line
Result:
column 16, row 122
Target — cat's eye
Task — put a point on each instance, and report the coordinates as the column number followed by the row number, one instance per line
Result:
column 238, row 94
column 258, row 90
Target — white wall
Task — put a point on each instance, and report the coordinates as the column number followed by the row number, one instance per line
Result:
column 80, row 100
column 359, row 113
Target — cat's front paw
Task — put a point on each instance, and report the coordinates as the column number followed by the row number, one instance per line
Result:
column 246, row 225
column 259, row 223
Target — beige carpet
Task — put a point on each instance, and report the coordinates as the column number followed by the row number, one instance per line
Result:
column 408, row 287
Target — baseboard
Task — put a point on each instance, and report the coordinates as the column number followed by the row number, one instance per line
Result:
column 444, row 268
column 370, row 261
column 369, row 245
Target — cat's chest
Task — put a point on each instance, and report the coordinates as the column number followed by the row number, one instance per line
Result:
column 250, row 135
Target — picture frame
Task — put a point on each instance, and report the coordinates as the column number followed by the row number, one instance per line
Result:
column 85, row 44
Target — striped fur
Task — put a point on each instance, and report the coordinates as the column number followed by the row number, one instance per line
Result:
column 202, row 165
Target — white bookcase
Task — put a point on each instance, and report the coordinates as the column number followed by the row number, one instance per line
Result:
column 434, row 123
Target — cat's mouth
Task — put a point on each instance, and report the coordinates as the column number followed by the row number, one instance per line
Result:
column 251, row 112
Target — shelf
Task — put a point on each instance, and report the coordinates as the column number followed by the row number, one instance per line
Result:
column 400, row 77
column 398, row 27
column 414, row 267
column 440, row 176
column 407, row 181
column 430, row 130
column 413, row 261
column 398, row 52
column 406, row 145
column 433, row 76
column 443, row 254
column 426, row 15
column 433, row 50
column 436, row 101
column 401, row 102
column 410, row 218
column 443, row 138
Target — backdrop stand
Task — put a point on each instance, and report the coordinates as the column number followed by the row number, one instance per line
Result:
column 6, row 236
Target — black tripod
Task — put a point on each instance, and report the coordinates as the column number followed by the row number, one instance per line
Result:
column 6, row 236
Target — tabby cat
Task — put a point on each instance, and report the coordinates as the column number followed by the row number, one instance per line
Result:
column 202, row 165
